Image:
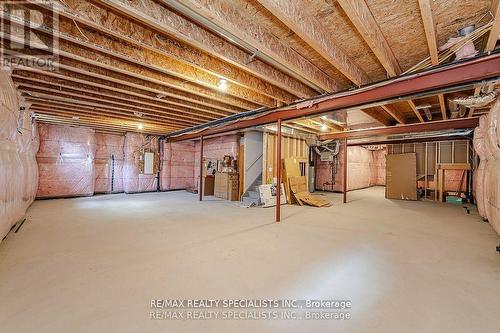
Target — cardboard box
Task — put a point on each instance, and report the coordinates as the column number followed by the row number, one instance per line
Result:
column 226, row 186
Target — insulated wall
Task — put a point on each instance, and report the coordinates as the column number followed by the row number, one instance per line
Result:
column 108, row 163
column 77, row 161
column 18, row 144
column 177, row 168
column 215, row 148
column 65, row 161
column 377, row 167
column 133, row 180
column 365, row 168
column 430, row 155
column 487, row 175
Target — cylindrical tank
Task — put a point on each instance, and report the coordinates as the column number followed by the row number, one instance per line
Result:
column 312, row 179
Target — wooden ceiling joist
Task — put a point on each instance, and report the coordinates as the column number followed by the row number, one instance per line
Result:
column 63, row 106
column 107, row 22
column 227, row 16
column 495, row 29
column 112, row 121
column 376, row 114
column 104, row 52
column 101, row 95
column 430, row 34
column 299, row 128
column 50, row 100
column 162, row 62
column 395, row 113
column 100, row 124
column 83, row 115
column 42, row 107
column 188, row 75
column 138, row 81
column 477, row 91
column 49, row 93
column 361, row 17
column 309, row 29
column 442, row 106
column 134, row 87
column 416, row 111
column 459, row 73
column 306, row 127
column 159, row 18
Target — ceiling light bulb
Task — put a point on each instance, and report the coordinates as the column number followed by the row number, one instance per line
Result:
column 223, row 85
column 324, row 128
column 140, row 127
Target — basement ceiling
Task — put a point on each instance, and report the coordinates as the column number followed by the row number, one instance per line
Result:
column 159, row 66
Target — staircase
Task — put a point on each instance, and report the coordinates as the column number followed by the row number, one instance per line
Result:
column 252, row 197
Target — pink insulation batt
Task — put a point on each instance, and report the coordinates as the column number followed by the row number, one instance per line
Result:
column 215, row 148
column 18, row 144
column 108, row 174
column 365, row 168
column 378, row 167
column 133, row 181
column 65, row 161
column 479, row 147
column 492, row 167
column 177, row 170
column 487, row 175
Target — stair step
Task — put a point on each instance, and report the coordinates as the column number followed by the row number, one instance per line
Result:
column 254, row 194
column 247, row 201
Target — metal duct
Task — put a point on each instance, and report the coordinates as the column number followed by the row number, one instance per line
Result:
column 423, row 136
column 478, row 101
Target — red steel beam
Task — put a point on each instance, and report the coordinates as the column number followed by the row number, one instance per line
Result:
column 200, row 188
column 486, row 67
column 345, row 172
column 278, row 172
column 410, row 128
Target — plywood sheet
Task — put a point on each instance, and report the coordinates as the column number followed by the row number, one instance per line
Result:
column 401, row 176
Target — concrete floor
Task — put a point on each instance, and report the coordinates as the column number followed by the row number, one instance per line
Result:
column 94, row 264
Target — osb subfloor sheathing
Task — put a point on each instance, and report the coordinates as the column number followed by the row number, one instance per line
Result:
column 94, row 264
